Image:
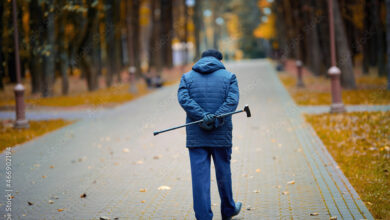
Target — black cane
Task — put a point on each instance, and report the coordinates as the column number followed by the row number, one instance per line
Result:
column 246, row 110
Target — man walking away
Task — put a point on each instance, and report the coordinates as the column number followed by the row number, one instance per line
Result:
column 204, row 92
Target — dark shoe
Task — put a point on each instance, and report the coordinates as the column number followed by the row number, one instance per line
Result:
column 236, row 211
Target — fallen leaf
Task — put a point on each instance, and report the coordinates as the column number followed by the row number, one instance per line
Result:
column 30, row 203
column 51, row 166
column 139, row 162
column 43, row 177
column 258, row 170
column 333, row 218
column 314, row 214
column 104, row 218
column 50, row 201
column 284, row 193
column 60, row 210
column 256, row 191
column 156, row 157
column 143, row 201
column 164, row 188
column 142, row 190
column 291, row 182
column 84, row 195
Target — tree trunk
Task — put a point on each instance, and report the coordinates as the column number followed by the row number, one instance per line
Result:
column 135, row 42
column 96, row 53
column 36, row 42
column 343, row 51
column 185, row 32
column 380, row 39
column 63, row 54
column 366, row 43
column 154, row 47
column 198, row 18
column 388, row 41
column 117, row 44
column 110, row 34
column 314, row 50
column 84, row 50
column 49, row 73
column 166, row 32
column 1, row 47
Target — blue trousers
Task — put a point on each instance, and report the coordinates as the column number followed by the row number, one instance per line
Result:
column 200, row 171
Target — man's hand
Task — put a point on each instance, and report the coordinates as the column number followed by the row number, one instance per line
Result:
column 208, row 122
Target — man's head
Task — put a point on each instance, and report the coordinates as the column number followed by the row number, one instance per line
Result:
column 212, row 53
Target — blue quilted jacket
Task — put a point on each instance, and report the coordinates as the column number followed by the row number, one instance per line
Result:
column 208, row 88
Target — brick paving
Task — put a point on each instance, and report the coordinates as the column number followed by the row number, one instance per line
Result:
column 116, row 161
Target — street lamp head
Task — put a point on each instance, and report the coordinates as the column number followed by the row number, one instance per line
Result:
column 219, row 21
column 190, row 3
column 334, row 70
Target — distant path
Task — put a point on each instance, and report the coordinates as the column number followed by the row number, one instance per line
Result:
column 117, row 162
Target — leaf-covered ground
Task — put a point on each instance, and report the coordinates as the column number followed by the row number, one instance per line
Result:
column 371, row 89
column 360, row 143
column 9, row 137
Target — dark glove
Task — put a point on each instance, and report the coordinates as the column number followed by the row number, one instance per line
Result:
column 208, row 122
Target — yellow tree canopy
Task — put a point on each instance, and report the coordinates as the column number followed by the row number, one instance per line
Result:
column 266, row 29
column 263, row 4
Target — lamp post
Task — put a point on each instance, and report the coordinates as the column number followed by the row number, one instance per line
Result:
column 334, row 72
column 20, row 121
column 300, row 83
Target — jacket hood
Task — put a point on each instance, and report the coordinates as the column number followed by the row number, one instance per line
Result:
column 208, row 65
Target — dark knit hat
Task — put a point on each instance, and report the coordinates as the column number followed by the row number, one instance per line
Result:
column 212, row 53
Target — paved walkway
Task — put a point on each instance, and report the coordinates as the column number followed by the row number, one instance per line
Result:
column 115, row 160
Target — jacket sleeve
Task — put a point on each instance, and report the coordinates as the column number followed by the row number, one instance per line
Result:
column 231, row 102
column 193, row 109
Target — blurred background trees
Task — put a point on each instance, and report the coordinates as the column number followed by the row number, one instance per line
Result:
column 97, row 40
column 302, row 32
